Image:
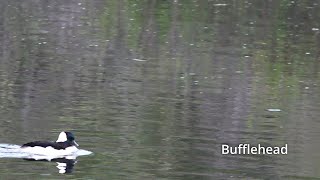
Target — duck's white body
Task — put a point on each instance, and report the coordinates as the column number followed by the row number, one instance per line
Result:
column 65, row 145
column 49, row 151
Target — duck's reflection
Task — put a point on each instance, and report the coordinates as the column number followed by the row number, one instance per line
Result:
column 64, row 165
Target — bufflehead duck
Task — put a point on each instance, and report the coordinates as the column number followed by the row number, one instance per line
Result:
column 65, row 145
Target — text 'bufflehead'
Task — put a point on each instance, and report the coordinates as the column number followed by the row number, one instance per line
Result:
column 65, row 145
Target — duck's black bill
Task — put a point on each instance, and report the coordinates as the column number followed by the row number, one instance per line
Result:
column 75, row 143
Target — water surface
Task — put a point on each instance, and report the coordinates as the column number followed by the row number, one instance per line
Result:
column 154, row 88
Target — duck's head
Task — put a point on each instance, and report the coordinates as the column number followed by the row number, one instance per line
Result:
column 67, row 136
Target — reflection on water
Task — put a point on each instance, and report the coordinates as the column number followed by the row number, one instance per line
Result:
column 155, row 87
column 64, row 165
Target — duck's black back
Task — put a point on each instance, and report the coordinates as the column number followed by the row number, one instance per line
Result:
column 55, row 145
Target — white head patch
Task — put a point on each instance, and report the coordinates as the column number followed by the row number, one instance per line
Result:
column 62, row 137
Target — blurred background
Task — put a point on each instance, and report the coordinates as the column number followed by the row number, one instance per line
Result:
column 154, row 87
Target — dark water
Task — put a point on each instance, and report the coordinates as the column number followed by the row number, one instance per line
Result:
column 155, row 87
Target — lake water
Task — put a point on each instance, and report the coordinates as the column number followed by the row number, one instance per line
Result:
column 154, row 88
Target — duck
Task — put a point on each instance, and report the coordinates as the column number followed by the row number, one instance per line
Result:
column 64, row 146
